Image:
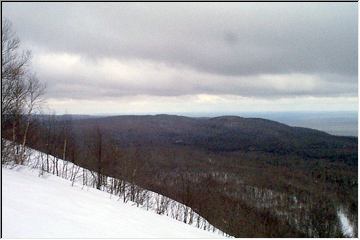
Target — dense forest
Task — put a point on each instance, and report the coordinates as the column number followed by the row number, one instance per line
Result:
column 247, row 177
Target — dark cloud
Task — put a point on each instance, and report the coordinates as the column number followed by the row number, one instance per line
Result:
column 225, row 48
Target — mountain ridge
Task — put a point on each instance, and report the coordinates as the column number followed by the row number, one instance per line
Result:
column 223, row 133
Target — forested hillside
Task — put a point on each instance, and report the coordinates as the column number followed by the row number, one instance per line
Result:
column 281, row 180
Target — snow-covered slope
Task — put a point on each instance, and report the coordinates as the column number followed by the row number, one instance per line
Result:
column 49, row 207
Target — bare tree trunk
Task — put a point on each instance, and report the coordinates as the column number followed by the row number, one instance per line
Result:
column 56, row 166
column 47, row 162
column 15, row 147
column 99, row 136
column 24, row 142
column 64, row 150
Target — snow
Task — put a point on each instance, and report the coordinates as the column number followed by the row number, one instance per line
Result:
column 346, row 227
column 150, row 201
column 48, row 206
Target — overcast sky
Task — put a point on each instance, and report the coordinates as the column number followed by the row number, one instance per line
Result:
column 191, row 57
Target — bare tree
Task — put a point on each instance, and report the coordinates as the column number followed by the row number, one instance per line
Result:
column 95, row 142
column 34, row 93
column 13, row 68
column 162, row 204
column 21, row 91
column 49, row 136
column 99, row 146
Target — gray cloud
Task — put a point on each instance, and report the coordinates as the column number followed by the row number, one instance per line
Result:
column 247, row 49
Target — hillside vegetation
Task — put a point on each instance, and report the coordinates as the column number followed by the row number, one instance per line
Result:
column 37, row 204
column 265, row 179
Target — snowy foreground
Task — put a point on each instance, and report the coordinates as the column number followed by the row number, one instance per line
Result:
column 49, row 207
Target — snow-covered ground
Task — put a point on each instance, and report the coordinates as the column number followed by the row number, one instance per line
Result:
column 49, row 207
column 346, row 226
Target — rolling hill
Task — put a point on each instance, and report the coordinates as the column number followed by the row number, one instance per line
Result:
column 252, row 168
